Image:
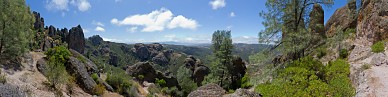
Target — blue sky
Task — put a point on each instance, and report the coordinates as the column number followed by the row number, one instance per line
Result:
column 131, row 21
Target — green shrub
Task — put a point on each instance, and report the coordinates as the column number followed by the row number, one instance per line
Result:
column 321, row 52
column 308, row 77
column 95, row 77
column 160, row 82
column 99, row 89
column 3, row 79
column 366, row 66
column 343, row 53
column 56, row 70
column 120, row 83
column 245, row 82
column 378, row 47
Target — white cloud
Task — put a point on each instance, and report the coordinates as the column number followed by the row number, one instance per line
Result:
column 157, row 20
column 115, row 21
column 99, row 29
column 63, row 5
column 57, row 5
column 232, row 14
column 85, row 30
column 245, row 39
column 83, row 5
column 217, row 4
column 170, row 36
column 132, row 29
column 111, row 39
column 181, row 21
column 98, row 23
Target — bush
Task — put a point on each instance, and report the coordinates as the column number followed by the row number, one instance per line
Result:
column 120, row 83
column 378, row 47
column 3, row 79
column 56, row 70
column 245, row 82
column 95, row 77
column 160, row 82
column 366, row 66
column 343, row 53
column 308, row 77
column 184, row 80
column 99, row 89
column 321, row 52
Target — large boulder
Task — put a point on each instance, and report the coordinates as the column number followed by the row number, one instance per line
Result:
column 89, row 65
column 141, row 51
column 41, row 66
column 372, row 22
column 160, row 59
column 243, row 93
column 317, row 20
column 342, row 19
column 8, row 90
column 77, row 68
column 96, row 40
column 380, row 59
column 150, row 74
column 199, row 71
column 76, row 39
column 113, row 59
column 51, row 31
column 209, row 90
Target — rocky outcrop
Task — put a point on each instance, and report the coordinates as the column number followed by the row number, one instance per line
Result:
column 380, row 59
column 96, row 40
column 141, row 51
column 160, row 59
column 372, row 24
column 76, row 39
column 113, row 60
column 88, row 64
column 243, row 93
column 8, row 90
column 39, row 21
column 342, row 19
column 150, row 74
column 77, row 68
column 209, row 90
column 41, row 66
column 199, row 71
column 317, row 20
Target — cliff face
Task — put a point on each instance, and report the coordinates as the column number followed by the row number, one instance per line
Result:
column 372, row 23
column 54, row 36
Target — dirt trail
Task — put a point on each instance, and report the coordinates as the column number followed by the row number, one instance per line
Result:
column 371, row 82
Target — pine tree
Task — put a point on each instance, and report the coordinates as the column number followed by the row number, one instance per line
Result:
column 285, row 25
column 16, row 24
column 222, row 50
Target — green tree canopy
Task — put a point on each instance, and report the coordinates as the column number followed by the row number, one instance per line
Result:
column 16, row 24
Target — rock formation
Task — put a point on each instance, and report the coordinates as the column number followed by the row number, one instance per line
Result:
column 243, row 93
column 77, row 68
column 209, row 90
column 96, row 40
column 342, row 19
column 150, row 74
column 317, row 20
column 141, row 51
column 76, row 39
column 199, row 71
column 372, row 23
column 39, row 21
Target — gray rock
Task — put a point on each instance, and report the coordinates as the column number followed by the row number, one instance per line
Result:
column 76, row 39
column 89, row 65
column 380, row 59
column 160, row 59
column 209, row 90
column 41, row 66
column 78, row 69
column 8, row 90
column 243, row 93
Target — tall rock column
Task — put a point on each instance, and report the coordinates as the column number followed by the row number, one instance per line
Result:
column 317, row 20
column 76, row 39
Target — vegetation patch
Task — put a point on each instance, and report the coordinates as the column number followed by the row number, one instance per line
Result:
column 378, row 47
column 310, row 77
column 56, row 70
